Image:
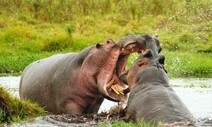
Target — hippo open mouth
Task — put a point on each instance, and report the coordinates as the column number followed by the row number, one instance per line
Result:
column 115, row 89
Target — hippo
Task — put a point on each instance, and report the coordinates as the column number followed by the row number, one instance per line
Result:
column 151, row 98
column 77, row 83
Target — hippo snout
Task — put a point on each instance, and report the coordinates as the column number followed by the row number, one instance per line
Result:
column 132, row 43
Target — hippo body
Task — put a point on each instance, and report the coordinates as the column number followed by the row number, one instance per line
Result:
column 75, row 83
column 151, row 97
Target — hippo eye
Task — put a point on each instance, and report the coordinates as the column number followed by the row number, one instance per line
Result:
column 108, row 41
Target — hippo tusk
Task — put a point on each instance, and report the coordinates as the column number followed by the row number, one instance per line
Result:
column 132, row 49
column 122, row 49
column 110, row 84
column 115, row 90
column 119, row 89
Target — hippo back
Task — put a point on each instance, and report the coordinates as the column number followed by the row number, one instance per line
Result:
column 158, row 104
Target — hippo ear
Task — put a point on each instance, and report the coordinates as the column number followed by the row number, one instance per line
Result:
column 161, row 59
column 98, row 45
column 147, row 36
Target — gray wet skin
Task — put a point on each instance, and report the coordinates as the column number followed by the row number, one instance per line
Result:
column 76, row 83
column 151, row 97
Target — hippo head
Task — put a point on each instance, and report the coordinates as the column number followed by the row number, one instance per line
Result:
column 142, row 64
column 153, row 44
column 108, row 60
column 138, row 43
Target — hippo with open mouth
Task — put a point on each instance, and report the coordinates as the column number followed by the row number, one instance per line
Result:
column 77, row 83
column 151, row 97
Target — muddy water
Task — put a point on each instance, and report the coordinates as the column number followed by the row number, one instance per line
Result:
column 195, row 93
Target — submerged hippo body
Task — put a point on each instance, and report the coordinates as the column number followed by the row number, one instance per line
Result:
column 75, row 83
column 151, row 97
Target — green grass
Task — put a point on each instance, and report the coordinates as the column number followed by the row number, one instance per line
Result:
column 130, row 124
column 188, row 64
column 31, row 30
column 15, row 110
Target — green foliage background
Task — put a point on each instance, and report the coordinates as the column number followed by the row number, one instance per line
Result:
column 34, row 29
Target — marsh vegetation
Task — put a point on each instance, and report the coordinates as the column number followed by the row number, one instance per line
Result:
column 34, row 29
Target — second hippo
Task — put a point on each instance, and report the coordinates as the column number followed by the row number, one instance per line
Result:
column 151, row 97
